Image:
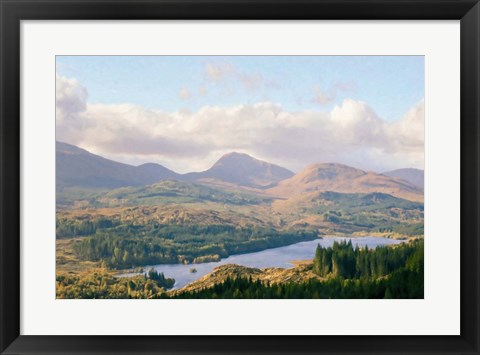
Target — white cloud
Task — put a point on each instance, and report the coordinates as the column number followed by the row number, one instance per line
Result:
column 410, row 130
column 322, row 97
column 325, row 97
column 225, row 72
column 184, row 94
column 251, row 82
column 202, row 90
column 350, row 133
column 218, row 71
column 71, row 104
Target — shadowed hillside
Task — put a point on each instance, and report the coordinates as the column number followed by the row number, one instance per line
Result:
column 413, row 176
column 243, row 170
column 77, row 167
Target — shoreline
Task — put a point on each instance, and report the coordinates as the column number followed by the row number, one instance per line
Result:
column 294, row 262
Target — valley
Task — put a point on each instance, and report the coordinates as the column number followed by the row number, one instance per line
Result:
column 112, row 217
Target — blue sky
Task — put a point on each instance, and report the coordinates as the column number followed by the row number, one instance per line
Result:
column 389, row 84
column 185, row 112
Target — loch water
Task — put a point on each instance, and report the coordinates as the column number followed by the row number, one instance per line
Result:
column 275, row 257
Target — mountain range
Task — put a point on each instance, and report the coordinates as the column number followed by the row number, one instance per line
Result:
column 243, row 170
column 78, row 168
column 413, row 176
column 345, row 179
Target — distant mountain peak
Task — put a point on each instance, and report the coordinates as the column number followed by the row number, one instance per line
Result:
column 76, row 167
column 244, row 170
column 331, row 166
column 236, row 154
column 147, row 165
column 69, row 148
column 237, row 158
column 411, row 175
column 345, row 179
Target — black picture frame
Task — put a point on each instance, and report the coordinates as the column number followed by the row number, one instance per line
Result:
column 12, row 12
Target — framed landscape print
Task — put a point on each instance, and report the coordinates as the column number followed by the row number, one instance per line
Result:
column 193, row 177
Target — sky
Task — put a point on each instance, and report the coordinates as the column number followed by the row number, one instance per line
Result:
column 185, row 112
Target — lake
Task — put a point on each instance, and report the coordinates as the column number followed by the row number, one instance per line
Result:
column 276, row 257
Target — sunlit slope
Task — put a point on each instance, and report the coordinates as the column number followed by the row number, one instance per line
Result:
column 345, row 179
column 177, row 192
column 334, row 212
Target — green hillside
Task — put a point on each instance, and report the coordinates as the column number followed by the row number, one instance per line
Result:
column 177, row 192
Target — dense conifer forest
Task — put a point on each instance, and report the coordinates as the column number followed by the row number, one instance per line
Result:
column 385, row 272
column 126, row 245
column 345, row 272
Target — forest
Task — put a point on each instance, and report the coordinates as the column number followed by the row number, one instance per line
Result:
column 378, row 212
column 344, row 271
column 101, row 284
column 126, row 245
column 348, row 262
column 384, row 272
